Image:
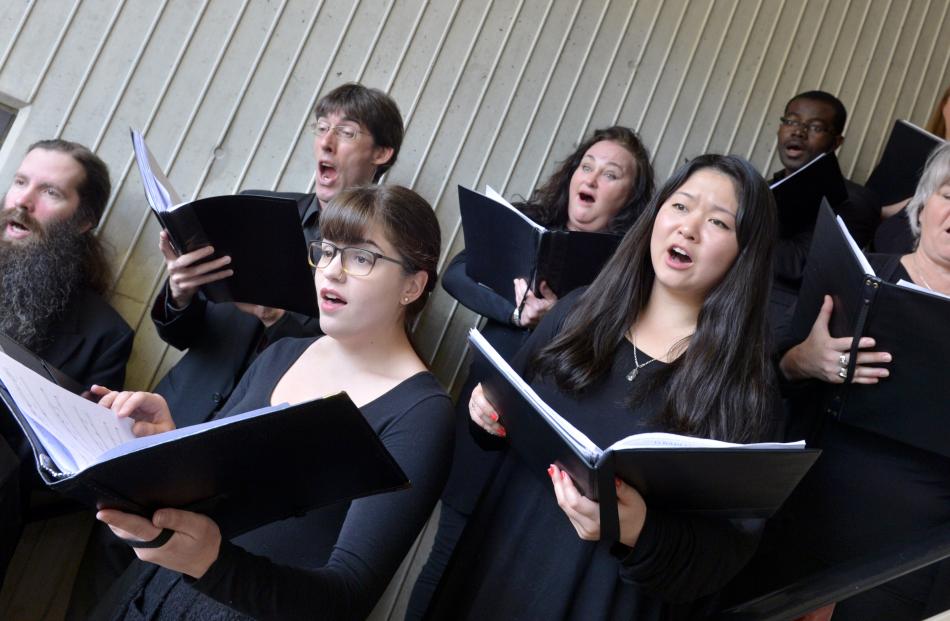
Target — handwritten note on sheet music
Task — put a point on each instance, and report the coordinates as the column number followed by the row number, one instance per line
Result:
column 84, row 430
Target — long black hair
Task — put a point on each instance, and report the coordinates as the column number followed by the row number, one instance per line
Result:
column 720, row 387
column 548, row 203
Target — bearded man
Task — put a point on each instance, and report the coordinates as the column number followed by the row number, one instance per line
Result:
column 53, row 270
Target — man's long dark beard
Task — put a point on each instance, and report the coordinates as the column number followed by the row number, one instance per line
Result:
column 38, row 281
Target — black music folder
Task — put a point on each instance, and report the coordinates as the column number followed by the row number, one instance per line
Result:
column 895, row 177
column 677, row 473
column 908, row 321
column 262, row 235
column 243, row 471
column 503, row 244
column 799, row 194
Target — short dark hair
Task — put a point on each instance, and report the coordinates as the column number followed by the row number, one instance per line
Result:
column 841, row 115
column 548, row 203
column 95, row 187
column 371, row 108
column 407, row 220
column 721, row 386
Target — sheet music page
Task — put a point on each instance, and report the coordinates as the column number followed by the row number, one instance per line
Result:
column 671, row 440
column 915, row 287
column 787, row 177
column 145, row 442
column 863, row 260
column 491, row 193
column 581, row 442
column 82, row 430
column 158, row 189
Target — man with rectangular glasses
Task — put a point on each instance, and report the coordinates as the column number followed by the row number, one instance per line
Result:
column 813, row 123
column 357, row 135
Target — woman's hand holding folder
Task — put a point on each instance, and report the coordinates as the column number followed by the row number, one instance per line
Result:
column 531, row 309
column 148, row 410
column 483, row 413
column 584, row 513
column 821, row 356
column 192, row 548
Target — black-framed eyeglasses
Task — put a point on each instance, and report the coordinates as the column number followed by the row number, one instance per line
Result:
column 809, row 128
column 347, row 133
column 356, row 261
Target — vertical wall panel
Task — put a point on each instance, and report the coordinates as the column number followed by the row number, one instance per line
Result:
column 493, row 92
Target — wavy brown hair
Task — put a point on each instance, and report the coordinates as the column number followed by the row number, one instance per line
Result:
column 548, row 203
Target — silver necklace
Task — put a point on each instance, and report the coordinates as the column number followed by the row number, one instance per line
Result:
column 920, row 273
column 635, row 371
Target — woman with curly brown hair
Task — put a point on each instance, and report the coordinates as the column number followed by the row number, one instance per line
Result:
column 603, row 186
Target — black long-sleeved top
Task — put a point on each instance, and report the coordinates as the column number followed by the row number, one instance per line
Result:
column 864, row 492
column 470, row 465
column 334, row 562
column 222, row 341
column 520, row 558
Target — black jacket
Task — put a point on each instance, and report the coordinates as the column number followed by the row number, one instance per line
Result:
column 221, row 340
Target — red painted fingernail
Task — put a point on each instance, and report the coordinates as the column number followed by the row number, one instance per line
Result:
column 550, row 471
column 493, row 416
column 502, row 432
column 617, row 482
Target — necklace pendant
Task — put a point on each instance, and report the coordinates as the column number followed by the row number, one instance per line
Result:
column 632, row 375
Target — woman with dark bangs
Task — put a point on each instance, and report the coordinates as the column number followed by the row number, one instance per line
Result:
column 375, row 267
column 603, row 186
column 669, row 337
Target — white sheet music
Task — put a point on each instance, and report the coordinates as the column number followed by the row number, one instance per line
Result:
column 493, row 194
column 855, row 250
column 158, row 189
column 74, row 430
column 584, row 445
column 914, row 286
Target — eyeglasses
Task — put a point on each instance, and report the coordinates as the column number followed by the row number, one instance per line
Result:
column 356, row 261
column 346, row 133
column 809, row 128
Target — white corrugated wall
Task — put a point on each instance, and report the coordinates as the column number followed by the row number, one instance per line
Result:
column 492, row 92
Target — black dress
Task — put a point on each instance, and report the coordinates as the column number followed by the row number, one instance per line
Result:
column 520, row 558
column 865, row 492
column 332, row 563
column 471, row 468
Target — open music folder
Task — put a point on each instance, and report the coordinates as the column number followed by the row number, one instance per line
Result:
column 503, row 244
column 243, row 471
column 910, row 322
column 677, row 473
column 895, row 177
column 262, row 235
column 798, row 195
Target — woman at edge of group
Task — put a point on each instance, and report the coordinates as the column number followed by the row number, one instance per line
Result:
column 893, row 233
column 669, row 337
column 851, row 511
column 601, row 187
column 376, row 265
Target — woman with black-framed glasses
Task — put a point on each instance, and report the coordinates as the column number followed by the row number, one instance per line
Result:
column 375, row 267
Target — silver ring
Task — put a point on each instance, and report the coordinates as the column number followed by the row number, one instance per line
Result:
column 843, row 360
column 843, row 373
